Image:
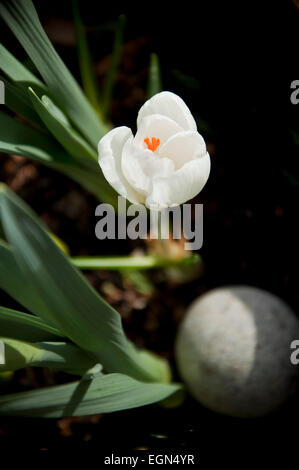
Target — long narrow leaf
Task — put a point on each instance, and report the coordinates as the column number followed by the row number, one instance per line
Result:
column 25, row 327
column 18, row 73
column 154, row 84
column 108, row 393
column 22, row 18
column 93, row 181
column 115, row 60
column 17, row 100
column 88, row 77
column 68, row 300
column 19, row 139
column 13, row 281
column 59, row 356
column 62, row 131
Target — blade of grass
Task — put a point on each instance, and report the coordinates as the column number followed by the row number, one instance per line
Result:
column 59, row 356
column 63, row 132
column 19, row 139
column 154, row 84
column 19, row 74
column 16, row 99
column 93, row 182
column 22, row 18
column 88, row 77
column 25, row 327
column 16, row 136
column 115, row 60
column 15, row 283
column 105, row 394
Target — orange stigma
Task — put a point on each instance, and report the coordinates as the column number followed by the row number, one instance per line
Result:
column 153, row 145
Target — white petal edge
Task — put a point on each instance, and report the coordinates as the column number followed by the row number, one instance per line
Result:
column 183, row 147
column 182, row 186
column 110, row 149
column 171, row 105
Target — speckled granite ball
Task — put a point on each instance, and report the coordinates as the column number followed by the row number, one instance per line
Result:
column 233, row 351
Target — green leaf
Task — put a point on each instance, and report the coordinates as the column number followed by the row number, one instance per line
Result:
column 57, row 124
column 25, row 327
column 69, row 302
column 93, row 181
column 51, row 108
column 58, row 356
column 154, row 84
column 105, row 394
column 19, row 139
column 88, row 76
column 13, row 281
column 21, row 17
column 17, row 100
column 115, row 60
column 19, row 74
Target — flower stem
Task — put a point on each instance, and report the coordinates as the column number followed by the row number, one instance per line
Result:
column 130, row 262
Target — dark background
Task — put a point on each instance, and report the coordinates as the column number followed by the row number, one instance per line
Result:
column 233, row 65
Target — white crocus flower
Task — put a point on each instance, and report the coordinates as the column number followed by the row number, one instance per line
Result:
column 165, row 164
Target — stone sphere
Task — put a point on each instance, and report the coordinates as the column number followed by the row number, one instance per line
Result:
column 233, row 351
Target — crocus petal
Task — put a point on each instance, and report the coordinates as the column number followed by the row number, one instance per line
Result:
column 157, row 126
column 183, row 147
column 183, row 185
column 139, row 166
column 110, row 154
column 165, row 164
column 170, row 105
